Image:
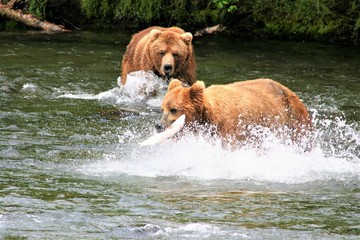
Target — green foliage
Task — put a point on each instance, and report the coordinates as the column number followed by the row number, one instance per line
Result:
column 227, row 5
column 97, row 8
column 313, row 19
column 138, row 10
column 357, row 24
column 304, row 19
column 317, row 19
column 301, row 17
column 10, row 25
column 38, row 7
column 164, row 12
column 139, row 13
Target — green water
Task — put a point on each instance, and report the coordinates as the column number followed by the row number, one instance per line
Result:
column 71, row 167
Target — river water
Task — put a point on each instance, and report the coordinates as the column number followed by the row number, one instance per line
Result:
column 71, row 166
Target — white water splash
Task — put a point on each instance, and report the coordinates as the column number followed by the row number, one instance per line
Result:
column 111, row 96
column 140, row 87
column 193, row 230
column 190, row 230
column 200, row 158
column 29, row 88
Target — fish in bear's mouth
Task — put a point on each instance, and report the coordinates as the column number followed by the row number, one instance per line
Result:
column 168, row 132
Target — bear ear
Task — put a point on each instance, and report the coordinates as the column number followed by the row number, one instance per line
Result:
column 173, row 84
column 154, row 33
column 187, row 37
column 196, row 90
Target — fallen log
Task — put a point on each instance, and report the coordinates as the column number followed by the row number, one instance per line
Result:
column 210, row 30
column 29, row 20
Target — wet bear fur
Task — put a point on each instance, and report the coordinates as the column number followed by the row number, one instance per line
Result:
column 168, row 52
column 231, row 109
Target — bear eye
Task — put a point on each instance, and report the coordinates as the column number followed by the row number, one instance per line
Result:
column 173, row 110
column 175, row 54
column 162, row 53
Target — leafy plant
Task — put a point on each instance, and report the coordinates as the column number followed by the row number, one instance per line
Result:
column 96, row 8
column 228, row 5
column 38, row 7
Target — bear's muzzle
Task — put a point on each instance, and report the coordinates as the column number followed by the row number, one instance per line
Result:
column 159, row 127
column 168, row 69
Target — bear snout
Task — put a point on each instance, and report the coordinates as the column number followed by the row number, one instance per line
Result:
column 168, row 69
column 159, row 127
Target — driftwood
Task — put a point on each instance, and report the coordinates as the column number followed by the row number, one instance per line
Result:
column 210, row 30
column 28, row 19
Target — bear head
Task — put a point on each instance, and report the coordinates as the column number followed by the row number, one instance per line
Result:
column 179, row 100
column 169, row 51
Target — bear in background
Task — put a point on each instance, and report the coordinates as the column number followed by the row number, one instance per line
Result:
column 168, row 52
column 232, row 109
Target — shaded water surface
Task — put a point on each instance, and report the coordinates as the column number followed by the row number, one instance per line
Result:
column 71, row 166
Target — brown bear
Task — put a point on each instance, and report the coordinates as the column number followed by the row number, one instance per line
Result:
column 231, row 109
column 168, row 52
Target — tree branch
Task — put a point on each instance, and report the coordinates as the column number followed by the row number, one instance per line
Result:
column 29, row 19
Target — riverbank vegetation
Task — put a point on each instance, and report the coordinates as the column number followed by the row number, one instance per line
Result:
column 323, row 20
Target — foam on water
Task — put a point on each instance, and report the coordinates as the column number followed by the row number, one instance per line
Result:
column 334, row 156
column 196, row 157
column 192, row 230
column 29, row 88
column 220, row 231
column 140, row 87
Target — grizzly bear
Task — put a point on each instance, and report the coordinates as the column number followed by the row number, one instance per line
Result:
column 230, row 110
column 168, row 52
